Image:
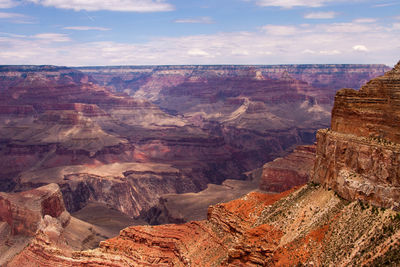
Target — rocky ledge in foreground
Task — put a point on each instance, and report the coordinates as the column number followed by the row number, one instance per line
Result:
column 310, row 225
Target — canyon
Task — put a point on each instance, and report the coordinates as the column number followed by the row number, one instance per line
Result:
column 149, row 131
column 160, row 144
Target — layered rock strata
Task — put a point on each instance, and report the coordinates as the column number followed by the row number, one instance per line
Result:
column 373, row 111
column 292, row 170
column 57, row 126
column 360, row 156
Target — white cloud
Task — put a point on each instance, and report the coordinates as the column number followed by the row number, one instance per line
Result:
column 240, row 52
column 348, row 27
column 198, row 52
column 308, row 51
column 361, row 48
column 13, row 35
column 52, row 37
column 201, row 20
column 86, row 28
column 308, row 43
column 111, row 5
column 279, row 30
column 16, row 17
column 320, row 15
column 292, row 3
column 330, row 52
column 7, row 3
column 365, row 20
column 396, row 26
column 385, row 4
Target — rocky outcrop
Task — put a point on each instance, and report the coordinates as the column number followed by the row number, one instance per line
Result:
column 358, row 168
column 24, row 211
column 360, row 155
column 373, row 111
column 292, row 170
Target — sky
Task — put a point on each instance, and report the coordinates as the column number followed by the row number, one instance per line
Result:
column 176, row 32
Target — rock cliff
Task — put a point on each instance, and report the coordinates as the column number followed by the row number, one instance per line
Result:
column 40, row 212
column 359, row 157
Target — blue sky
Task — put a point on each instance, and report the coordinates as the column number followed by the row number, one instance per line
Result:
column 139, row 32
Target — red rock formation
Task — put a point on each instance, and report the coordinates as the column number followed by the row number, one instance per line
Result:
column 24, row 211
column 359, row 157
column 293, row 170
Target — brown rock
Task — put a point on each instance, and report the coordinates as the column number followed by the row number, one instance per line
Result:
column 293, row 170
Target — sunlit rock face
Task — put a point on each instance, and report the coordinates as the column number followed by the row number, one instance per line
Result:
column 360, row 155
